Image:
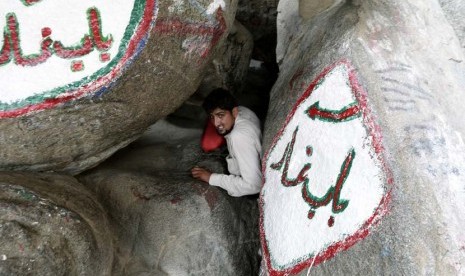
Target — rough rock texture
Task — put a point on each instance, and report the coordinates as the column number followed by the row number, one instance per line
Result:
column 52, row 225
column 407, row 59
column 455, row 12
column 291, row 16
column 309, row 8
column 258, row 16
column 77, row 135
column 229, row 67
column 168, row 223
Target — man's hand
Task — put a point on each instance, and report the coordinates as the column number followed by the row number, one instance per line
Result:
column 201, row 174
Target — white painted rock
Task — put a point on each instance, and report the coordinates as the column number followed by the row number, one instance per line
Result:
column 83, row 79
column 364, row 151
column 324, row 173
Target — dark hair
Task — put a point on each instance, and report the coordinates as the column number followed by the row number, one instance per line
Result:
column 219, row 98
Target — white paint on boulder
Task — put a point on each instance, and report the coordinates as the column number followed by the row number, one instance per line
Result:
column 215, row 5
column 345, row 183
column 177, row 6
column 68, row 24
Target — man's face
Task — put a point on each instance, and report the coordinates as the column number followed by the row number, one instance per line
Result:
column 223, row 120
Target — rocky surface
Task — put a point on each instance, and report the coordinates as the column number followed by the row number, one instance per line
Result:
column 405, row 64
column 230, row 64
column 52, row 225
column 258, row 16
column 407, row 59
column 167, row 223
column 76, row 135
column 454, row 11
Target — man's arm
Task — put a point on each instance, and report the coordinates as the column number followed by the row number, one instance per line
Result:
column 248, row 160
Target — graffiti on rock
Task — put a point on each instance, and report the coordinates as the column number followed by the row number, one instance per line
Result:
column 12, row 47
column 333, row 193
column 206, row 35
column 325, row 180
column 56, row 51
column 402, row 89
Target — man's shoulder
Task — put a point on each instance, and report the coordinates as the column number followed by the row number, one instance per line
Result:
column 247, row 118
column 247, row 113
column 246, row 128
column 242, row 130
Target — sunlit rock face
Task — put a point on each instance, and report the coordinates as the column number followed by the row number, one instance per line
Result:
column 167, row 223
column 364, row 152
column 52, row 225
column 82, row 80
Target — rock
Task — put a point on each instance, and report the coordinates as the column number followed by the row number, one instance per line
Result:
column 52, row 225
column 167, row 222
column 102, row 97
column 364, row 145
column 229, row 67
column 454, row 12
column 309, row 8
column 292, row 16
column 258, row 16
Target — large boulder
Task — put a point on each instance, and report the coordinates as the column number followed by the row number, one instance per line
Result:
column 71, row 98
column 168, row 223
column 52, row 225
column 364, row 143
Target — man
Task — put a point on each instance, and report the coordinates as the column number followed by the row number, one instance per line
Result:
column 241, row 129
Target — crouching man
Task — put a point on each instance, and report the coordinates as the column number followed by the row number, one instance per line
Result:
column 241, row 129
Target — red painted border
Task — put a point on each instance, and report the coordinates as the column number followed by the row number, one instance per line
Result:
column 100, row 82
column 375, row 132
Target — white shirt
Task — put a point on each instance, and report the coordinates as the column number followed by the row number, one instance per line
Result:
column 245, row 149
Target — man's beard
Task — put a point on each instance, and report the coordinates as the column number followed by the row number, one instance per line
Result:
column 226, row 131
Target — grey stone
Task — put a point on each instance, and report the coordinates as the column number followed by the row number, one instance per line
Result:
column 455, row 11
column 229, row 66
column 52, row 225
column 77, row 135
column 309, row 8
column 258, row 16
column 168, row 223
column 408, row 60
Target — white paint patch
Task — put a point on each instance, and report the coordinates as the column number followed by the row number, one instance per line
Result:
column 292, row 238
column 195, row 45
column 213, row 7
column 177, row 6
column 68, row 23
